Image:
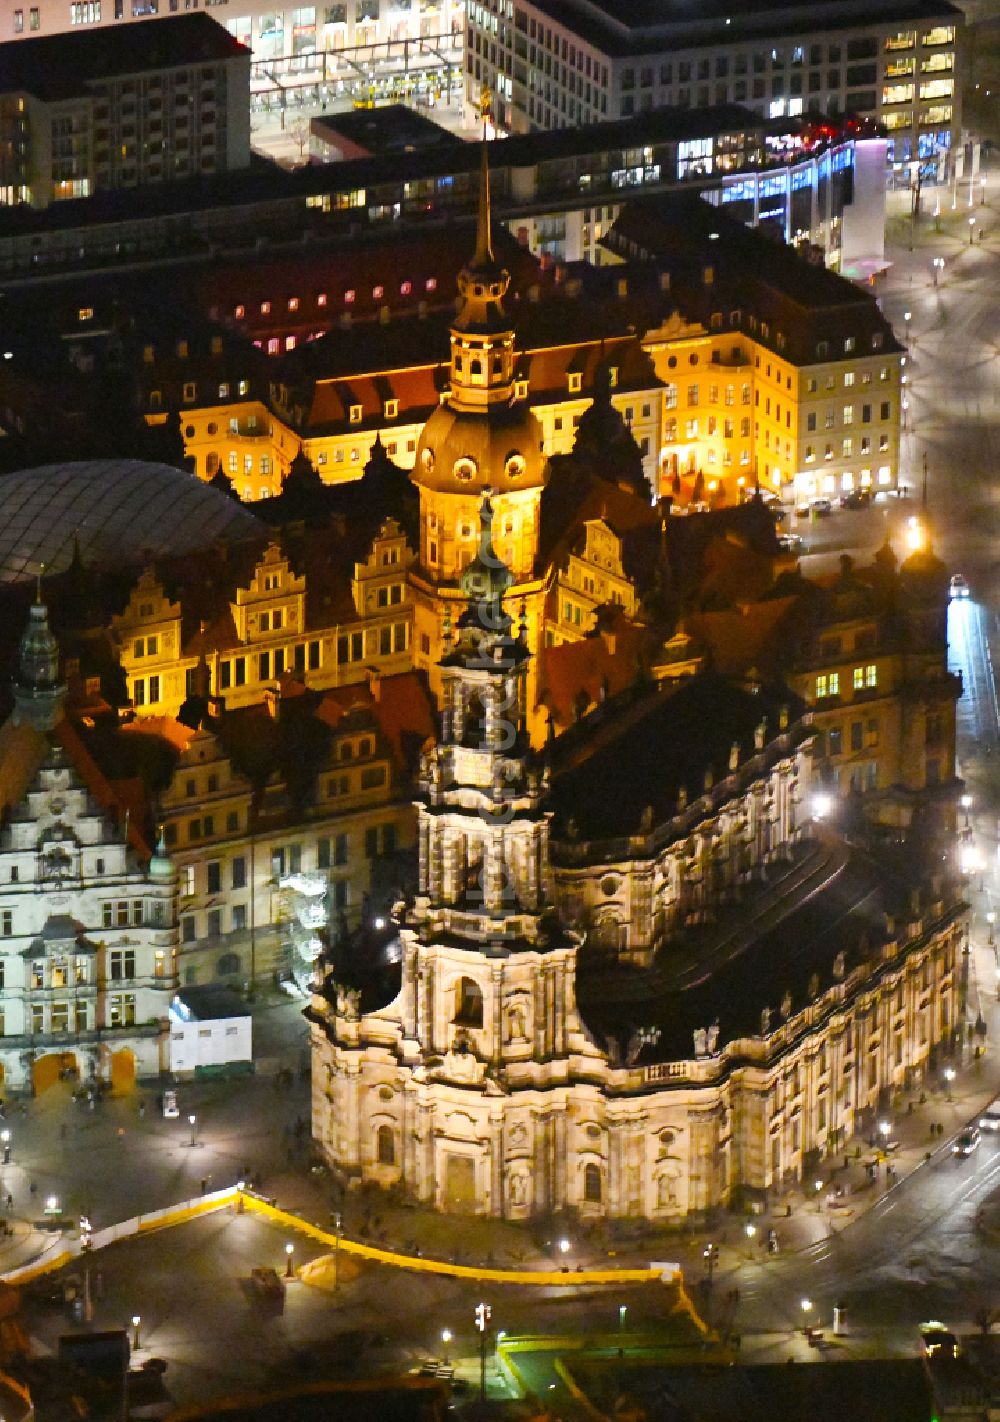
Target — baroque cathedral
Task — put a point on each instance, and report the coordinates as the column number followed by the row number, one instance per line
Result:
column 639, row 976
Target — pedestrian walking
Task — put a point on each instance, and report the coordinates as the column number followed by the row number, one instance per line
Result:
column 10, row 1200
column 142, row 1109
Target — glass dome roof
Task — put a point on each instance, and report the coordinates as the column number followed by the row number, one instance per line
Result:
column 115, row 509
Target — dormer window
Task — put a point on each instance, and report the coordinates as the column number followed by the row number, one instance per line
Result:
column 391, row 409
column 356, row 413
column 575, row 382
column 520, row 390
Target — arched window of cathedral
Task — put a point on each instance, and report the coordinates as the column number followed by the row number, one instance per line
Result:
column 385, row 1143
column 458, row 363
column 468, row 1003
column 475, row 368
column 592, row 1184
column 498, row 365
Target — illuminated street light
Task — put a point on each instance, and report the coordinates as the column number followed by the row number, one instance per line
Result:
column 915, row 536
column 966, row 804
column 822, row 805
column 969, row 859
column 52, row 1205
column 193, row 1123
column 446, row 1336
column 136, row 1321
column 806, row 1306
column 949, row 1077
column 289, row 1251
column 564, row 1246
column 884, row 1129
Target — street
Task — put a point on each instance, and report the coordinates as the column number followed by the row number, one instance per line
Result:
column 894, row 1241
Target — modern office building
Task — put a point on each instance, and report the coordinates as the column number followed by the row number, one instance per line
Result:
column 86, row 112
column 553, row 65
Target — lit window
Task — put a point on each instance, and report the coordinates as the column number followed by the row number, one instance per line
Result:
column 405, row 288
column 265, row 308
column 378, row 292
column 293, row 303
column 871, row 675
column 349, row 296
column 86, row 313
column 321, row 298
column 239, row 312
column 859, row 678
column 430, row 284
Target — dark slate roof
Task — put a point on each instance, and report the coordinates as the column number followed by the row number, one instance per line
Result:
column 57, row 66
column 211, row 1002
column 893, row 1390
column 647, row 750
column 828, row 900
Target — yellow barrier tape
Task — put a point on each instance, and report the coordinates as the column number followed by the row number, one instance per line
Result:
column 532, row 1278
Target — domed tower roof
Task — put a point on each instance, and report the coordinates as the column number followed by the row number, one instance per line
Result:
column 38, row 692
column 482, row 436
column 161, row 866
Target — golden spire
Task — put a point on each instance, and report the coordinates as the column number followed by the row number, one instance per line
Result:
column 484, row 245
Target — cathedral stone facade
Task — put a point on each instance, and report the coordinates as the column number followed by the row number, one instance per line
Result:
column 482, row 1054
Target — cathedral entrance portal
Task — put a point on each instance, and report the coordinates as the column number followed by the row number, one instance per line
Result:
column 460, row 1184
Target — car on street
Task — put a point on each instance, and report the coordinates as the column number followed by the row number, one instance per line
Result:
column 789, row 542
column 939, row 1342
column 990, row 1119
column 966, row 1142
column 821, row 507
column 857, row 499
column 959, row 586
column 267, row 1282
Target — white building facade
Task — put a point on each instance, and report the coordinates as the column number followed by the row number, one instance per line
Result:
column 88, row 925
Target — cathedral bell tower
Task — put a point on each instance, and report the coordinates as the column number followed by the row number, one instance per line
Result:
column 483, row 435
column 482, row 831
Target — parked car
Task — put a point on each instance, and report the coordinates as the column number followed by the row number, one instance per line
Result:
column 990, row 1119
column 789, row 542
column 856, row 499
column 959, row 586
column 938, row 1341
column 966, row 1142
column 267, row 1282
column 821, row 507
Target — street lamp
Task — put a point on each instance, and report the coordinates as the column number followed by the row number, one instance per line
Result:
column 884, row 1129
column 938, row 267
column 972, row 229
column 52, row 1205
column 483, row 1315
column 822, row 805
column 564, row 1246
column 5, row 1138
column 949, row 1077
column 806, row 1306
column 914, row 528
column 446, row 1336
column 136, row 1320
column 289, row 1251
column 750, row 1230
column 193, row 1123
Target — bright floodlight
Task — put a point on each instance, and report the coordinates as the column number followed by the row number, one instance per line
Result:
column 564, row 1246
column 914, row 535
column 806, row 1305
column 822, row 805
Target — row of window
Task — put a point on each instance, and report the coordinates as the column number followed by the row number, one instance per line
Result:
column 321, row 299
column 862, row 679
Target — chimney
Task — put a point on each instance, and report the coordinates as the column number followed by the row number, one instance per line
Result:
column 708, row 275
column 272, row 700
